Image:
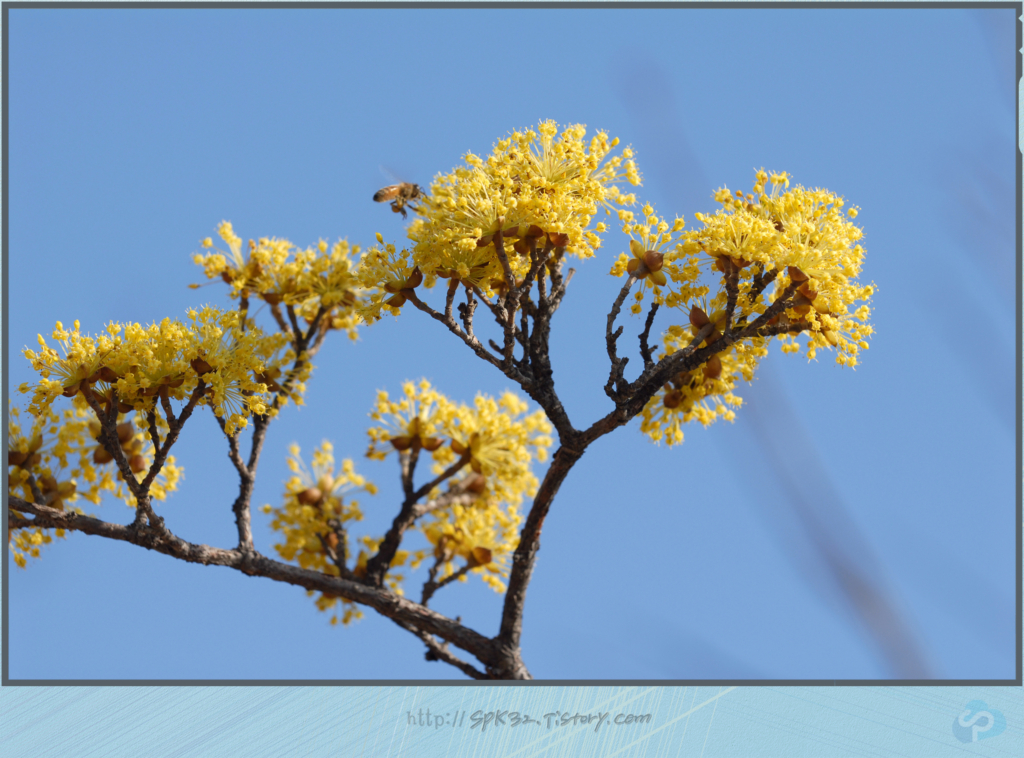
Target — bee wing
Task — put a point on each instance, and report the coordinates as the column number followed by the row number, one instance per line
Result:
column 390, row 175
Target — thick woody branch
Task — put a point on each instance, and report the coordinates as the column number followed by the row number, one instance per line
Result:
column 523, row 562
column 253, row 564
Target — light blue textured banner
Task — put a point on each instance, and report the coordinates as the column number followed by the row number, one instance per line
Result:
column 480, row 722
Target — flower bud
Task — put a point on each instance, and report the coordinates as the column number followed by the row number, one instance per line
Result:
column 395, row 301
column 805, row 290
column 72, row 390
column 415, row 278
column 558, row 239
column 654, row 260
column 200, row 366
column 431, row 444
column 713, row 368
column 796, row 275
column 672, row 399
column 476, row 483
column 125, row 431
column 459, row 448
column 480, row 556
column 332, row 540
column 101, row 456
column 698, row 317
column 108, row 375
column 16, row 459
column 137, row 463
column 681, row 379
column 401, row 443
column 310, row 496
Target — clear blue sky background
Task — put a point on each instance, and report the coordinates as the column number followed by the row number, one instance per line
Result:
column 133, row 133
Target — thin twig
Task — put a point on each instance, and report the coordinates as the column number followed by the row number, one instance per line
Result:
column 645, row 350
column 614, row 386
column 275, row 310
column 377, row 566
column 439, row 652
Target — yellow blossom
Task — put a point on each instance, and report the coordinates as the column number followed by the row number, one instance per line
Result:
column 165, row 360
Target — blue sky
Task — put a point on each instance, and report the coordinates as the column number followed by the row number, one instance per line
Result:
column 849, row 524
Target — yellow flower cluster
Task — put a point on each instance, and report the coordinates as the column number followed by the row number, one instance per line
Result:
column 384, row 272
column 483, row 534
column 498, row 439
column 164, row 360
column 278, row 272
column 536, row 186
column 317, row 508
column 500, row 442
column 62, row 456
column 658, row 256
column 805, row 236
column 704, row 394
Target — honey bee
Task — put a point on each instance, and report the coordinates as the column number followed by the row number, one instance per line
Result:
column 399, row 195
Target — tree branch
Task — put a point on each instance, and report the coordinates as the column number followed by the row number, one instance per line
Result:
column 615, row 385
column 377, row 566
column 645, row 350
column 253, row 564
